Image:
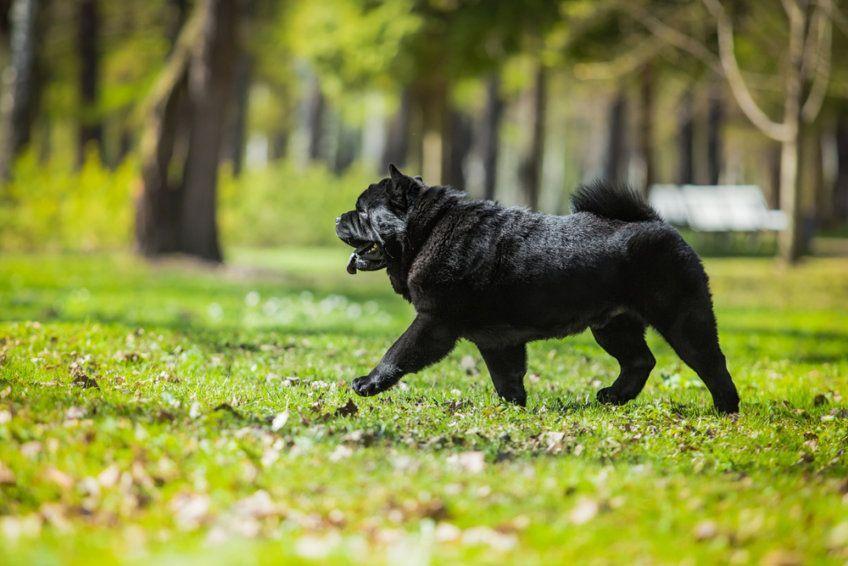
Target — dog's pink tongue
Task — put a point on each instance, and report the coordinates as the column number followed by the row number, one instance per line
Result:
column 351, row 265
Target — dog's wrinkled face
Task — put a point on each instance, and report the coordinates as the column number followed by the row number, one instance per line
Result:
column 375, row 228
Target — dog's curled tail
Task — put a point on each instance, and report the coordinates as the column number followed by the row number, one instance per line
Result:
column 612, row 201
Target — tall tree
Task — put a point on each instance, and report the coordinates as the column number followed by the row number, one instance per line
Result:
column 490, row 135
column 805, row 82
column 715, row 126
column 396, row 148
column 616, row 134
column 315, row 120
column 88, row 32
column 236, row 135
column 686, row 138
column 176, row 211
column 840, row 189
column 459, row 149
column 20, row 89
column 530, row 173
column 645, row 127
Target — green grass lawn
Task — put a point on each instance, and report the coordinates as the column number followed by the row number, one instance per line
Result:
column 171, row 412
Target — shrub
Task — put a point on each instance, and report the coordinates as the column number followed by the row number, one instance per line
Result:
column 283, row 204
column 52, row 206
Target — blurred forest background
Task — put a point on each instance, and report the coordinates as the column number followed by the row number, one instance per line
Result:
column 174, row 126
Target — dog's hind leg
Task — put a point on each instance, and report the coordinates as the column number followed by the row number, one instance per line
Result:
column 693, row 336
column 623, row 338
column 507, row 367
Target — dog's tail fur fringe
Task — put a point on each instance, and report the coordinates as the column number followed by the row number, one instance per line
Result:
column 612, row 201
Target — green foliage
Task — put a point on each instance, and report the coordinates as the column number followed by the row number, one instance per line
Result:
column 173, row 414
column 368, row 40
column 284, row 204
column 52, row 206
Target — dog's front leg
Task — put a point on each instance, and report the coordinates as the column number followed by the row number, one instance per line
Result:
column 425, row 342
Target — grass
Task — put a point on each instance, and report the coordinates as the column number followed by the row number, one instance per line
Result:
column 172, row 413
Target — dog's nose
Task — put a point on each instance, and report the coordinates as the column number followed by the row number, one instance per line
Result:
column 338, row 219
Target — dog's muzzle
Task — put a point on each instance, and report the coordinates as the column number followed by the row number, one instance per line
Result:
column 368, row 254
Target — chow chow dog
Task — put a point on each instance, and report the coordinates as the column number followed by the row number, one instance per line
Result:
column 502, row 277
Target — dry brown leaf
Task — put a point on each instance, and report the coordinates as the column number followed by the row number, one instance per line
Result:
column 7, row 476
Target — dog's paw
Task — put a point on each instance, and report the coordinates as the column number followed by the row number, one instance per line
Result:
column 728, row 408
column 367, row 386
column 609, row 396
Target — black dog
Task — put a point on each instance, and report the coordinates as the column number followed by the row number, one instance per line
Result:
column 501, row 277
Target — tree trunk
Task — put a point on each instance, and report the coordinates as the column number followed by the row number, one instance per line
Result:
column 686, row 139
column 90, row 127
column 490, row 135
column 616, row 124
column 773, row 193
column 791, row 240
column 645, row 129
column 278, row 145
column 715, row 123
column 432, row 97
column 458, row 148
column 176, row 211
column 236, row 138
column 209, row 90
column 840, row 189
column 315, row 110
column 396, row 147
column 163, row 148
column 177, row 20
column 347, row 147
column 530, row 170
column 20, row 90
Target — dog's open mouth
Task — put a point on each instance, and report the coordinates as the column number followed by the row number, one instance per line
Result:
column 367, row 257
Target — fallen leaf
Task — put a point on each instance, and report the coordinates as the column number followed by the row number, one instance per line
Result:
column 781, row 558
column 258, row 506
column 347, row 409
column 446, row 532
column 55, row 514
column 59, row 478
column 280, row 421
column 80, row 376
column 494, row 539
column 472, row 462
column 584, row 511
column 469, row 365
column 109, row 477
column 17, row 527
column 31, row 449
column 316, row 547
column 341, row 452
column 190, row 510
column 838, row 536
column 705, row 530
column 7, row 476
column 74, row 413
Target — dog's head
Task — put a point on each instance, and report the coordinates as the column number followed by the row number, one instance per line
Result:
column 376, row 227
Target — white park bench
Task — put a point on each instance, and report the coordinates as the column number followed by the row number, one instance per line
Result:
column 716, row 208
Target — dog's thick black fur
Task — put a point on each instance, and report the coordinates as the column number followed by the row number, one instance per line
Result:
column 502, row 277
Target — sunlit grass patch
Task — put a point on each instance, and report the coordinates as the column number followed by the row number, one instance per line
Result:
column 171, row 412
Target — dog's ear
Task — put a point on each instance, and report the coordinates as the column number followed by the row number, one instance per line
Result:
column 403, row 188
column 395, row 173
